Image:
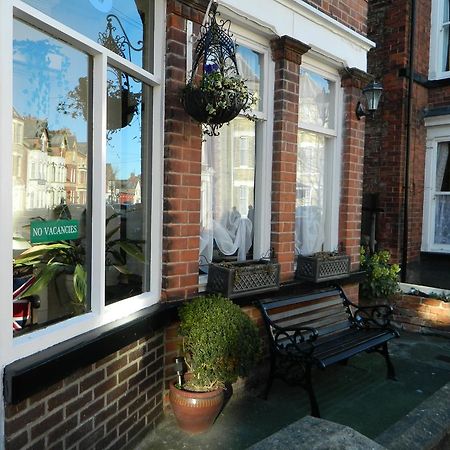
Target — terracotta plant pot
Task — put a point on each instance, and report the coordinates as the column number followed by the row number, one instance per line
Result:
column 195, row 411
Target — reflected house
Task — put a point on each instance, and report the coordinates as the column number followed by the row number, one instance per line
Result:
column 76, row 171
column 19, row 162
column 36, row 143
column 124, row 192
column 57, row 171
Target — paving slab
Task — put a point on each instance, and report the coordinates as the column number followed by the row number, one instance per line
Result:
column 311, row 433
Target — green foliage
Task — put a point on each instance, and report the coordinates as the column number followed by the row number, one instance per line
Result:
column 47, row 261
column 382, row 277
column 220, row 342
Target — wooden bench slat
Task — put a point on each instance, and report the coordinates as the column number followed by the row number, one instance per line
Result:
column 306, row 308
column 313, row 318
column 286, row 301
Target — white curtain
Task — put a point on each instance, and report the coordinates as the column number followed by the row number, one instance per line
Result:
column 442, row 205
column 227, row 193
column 310, row 214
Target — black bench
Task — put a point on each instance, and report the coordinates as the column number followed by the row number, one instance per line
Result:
column 320, row 329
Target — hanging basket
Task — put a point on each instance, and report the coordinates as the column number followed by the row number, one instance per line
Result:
column 196, row 103
column 215, row 93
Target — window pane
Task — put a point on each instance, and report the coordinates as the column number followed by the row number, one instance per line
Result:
column 228, row 190
column 112, row 23
column 442, row 220
column 50, row 182
column 443, row 168
column 309, row 211
column 127, row 182
column 316, row 100
column 250, row 69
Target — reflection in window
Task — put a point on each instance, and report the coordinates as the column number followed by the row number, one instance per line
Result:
column 48, row 145
column 127, row 184
column 227, row 193
column 317, row 99
column 250, row 69
column 125, row 19
column 443, row 168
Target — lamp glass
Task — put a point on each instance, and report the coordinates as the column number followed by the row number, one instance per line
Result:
column 373, row 94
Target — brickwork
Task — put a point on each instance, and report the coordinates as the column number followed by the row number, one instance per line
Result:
column 182, row 165
column 352, row 167
column 385, row 152
column 108, row 405
column 422, row 315
column 287, row 56
column 352, row 13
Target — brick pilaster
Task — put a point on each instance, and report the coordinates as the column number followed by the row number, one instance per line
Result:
column 182, row 164
column 287, row 54
column 353, row 81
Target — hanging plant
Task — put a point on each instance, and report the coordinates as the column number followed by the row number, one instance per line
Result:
column 215, row 93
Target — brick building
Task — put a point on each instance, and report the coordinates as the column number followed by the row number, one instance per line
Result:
column 90, row 371
column 406, row 167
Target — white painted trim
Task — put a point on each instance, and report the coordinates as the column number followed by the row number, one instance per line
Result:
column 98, row 181
column 303, row 22
column 438, row 131
column 436, row 42
column 27, row 344
column 6, row 308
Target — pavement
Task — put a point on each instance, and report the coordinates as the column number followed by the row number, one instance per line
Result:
column 357, row 395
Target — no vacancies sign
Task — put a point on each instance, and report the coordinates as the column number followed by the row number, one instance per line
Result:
column 53, row 230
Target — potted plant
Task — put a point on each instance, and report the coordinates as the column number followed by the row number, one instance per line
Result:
column 322, row 266
column 382, row 277
column 219, row 344
column 237, row 278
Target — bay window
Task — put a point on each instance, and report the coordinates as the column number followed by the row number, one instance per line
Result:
column 317, row 185
column 83, row 137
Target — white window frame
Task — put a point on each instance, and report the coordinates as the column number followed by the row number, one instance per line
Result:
column 30, row 343
column 333, row 154
column 438, row 130
column 436, row 41
column 263, row 139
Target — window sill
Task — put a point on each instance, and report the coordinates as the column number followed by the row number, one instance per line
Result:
column 34, row 373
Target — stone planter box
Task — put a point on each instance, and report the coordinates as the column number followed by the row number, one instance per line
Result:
column 236, row 279
column 316, row 269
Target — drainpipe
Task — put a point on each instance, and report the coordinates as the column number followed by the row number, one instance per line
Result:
column 410, row 75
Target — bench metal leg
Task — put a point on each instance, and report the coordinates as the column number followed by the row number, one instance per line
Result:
column 390, row 366
column 312, row 396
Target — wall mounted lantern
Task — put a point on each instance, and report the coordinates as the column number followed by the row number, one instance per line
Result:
column 372, row 93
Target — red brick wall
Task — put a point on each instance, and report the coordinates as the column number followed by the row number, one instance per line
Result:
column 352, row 167
column 352, row 13
column 385, row 151
column 422, row 315
column 108, row 405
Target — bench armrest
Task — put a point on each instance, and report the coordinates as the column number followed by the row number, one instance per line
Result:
column 373, row 315
column 295, row 339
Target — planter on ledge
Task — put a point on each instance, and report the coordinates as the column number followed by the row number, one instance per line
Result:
column 236, row 279
column 322, row 266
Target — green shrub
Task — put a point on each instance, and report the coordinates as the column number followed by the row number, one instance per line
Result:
column 220, row 342
column 382, row 277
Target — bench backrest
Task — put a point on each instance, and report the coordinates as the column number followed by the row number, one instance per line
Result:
column 326, row 310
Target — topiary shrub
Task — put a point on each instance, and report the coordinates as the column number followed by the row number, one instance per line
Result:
column 382, row 277
column 220, row 342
